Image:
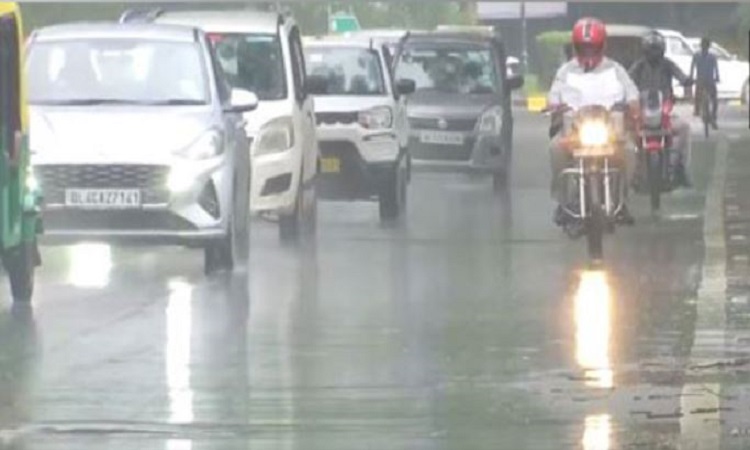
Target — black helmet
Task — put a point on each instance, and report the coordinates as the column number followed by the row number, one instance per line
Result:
column 653, row 45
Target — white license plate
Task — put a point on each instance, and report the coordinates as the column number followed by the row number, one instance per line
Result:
column 103, row 198
column 442, row 138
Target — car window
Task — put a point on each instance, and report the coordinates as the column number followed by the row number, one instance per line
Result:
column 349, row 70
column 678, row 47
column 254, row 62
column 459, row 69
column 720, row 53
column 117, row 70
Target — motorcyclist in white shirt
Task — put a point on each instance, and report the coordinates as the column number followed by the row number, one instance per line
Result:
column 590, row 78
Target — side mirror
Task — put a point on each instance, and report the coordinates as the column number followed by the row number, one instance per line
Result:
column 514, row 82
column 316, row 85
column 405, row 86
column 242, row 101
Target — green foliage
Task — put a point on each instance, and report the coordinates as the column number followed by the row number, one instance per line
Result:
column 550, row 45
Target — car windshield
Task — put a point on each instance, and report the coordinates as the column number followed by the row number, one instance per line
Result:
column 253, row 62
column 349, row 71
column 454, row 69
column 116, row 71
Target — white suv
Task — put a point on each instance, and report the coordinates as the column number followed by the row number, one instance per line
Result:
column 362, row 124
column 262, row 53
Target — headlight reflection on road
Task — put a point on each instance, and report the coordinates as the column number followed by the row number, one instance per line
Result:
column 179, row 333
column 596, row 433
column 593, row 303
column 90, row 265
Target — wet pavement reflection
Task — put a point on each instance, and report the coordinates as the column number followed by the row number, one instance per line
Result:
column 470, row 324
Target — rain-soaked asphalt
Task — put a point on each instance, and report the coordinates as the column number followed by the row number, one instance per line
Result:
column 471, row 325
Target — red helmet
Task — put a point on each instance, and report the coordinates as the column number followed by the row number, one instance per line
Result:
column 589, row 39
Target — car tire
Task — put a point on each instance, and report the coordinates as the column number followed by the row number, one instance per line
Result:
column 233, row 251
column 393, row 195
column 20, row 264
column 290, row 224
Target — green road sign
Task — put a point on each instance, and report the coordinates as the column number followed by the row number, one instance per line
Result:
column 342, row 22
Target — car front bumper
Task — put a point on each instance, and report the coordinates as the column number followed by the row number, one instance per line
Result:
column 275, row 181
column 197, row 212
column 478, row 152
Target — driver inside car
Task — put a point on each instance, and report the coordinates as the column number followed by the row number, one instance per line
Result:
column 589, row 41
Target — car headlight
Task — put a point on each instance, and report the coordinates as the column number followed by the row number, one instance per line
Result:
column 594, row 133
column 207, row 146
column 276, row 136
column 491, row 121
column 376, row 118
column 180, row 179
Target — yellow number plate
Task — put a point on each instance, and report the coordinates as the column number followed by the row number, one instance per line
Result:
column 330, row 165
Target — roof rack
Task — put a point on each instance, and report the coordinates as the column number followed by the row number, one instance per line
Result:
column 141, row 15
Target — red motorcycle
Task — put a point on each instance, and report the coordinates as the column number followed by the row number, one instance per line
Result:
column 655, row 149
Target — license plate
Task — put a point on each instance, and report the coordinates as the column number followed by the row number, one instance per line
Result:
column 103, row 198
column 442, row 138
column 330, row 165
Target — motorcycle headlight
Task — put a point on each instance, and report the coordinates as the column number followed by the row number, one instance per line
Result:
column 491, row 121
column 594, row 133
column 276, row 136
column 207, row 146
column 376, row 118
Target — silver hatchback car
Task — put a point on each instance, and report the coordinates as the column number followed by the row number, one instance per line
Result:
column 137, row 138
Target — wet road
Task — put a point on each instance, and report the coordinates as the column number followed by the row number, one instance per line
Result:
column 472, row 324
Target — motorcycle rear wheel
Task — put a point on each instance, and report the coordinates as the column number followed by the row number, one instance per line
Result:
column 655, row 171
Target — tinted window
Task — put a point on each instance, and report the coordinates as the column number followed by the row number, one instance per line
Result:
column 254, row 62
column 117, row 70
column 350, row 71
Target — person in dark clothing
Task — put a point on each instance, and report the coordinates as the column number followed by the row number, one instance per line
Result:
column 654, row 72
column 706, row 69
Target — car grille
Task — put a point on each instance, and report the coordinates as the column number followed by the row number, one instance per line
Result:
column 55, row 179
column 421, row 123
column 345, row 118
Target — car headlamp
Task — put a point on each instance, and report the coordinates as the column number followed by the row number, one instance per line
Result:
column 181, row 179
column 491, row 121
column 594, row 133
column 209, row 145
column 276, row 136
column 376, row 118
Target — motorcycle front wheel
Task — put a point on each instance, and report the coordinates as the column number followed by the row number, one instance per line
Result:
column 595, row 222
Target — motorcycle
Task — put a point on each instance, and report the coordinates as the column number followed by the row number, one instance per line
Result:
column 597, row 194
column 655, row 151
